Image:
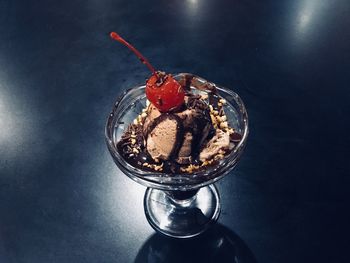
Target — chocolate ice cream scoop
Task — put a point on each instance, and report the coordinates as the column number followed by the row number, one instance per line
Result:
column 178, row 135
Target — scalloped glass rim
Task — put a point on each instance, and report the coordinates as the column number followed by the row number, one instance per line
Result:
column 183, row 181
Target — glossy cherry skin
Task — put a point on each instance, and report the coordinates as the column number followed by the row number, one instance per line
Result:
column 166, row 96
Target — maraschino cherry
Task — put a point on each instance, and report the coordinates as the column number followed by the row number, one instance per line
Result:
column 162, row 89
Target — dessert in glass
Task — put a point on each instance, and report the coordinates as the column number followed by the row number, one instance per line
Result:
column 177, row 135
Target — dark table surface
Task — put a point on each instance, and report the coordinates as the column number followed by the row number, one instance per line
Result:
column 62, row 199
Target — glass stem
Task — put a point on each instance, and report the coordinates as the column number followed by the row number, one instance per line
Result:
column 182, row 198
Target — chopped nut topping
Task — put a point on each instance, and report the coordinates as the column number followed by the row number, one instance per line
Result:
column 214, row 121
column 158, row 167
column 223, row 125
column 221, row 151
column 223, row 101
column 190, row 168
column 219, row 157
column 135, row 150
column 204, row 96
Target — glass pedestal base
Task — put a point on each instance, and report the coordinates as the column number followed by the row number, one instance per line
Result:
column 182, row 218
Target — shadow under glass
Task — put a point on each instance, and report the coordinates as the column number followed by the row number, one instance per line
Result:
column 218, row 244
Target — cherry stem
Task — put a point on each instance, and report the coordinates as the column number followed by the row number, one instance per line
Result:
column 118, row 38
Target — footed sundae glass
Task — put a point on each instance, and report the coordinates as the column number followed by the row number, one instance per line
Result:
column 178, row 205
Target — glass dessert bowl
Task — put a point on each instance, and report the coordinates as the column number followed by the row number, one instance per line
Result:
column 179, row 204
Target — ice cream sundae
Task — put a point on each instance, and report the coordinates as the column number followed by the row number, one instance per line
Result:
column 182, row 129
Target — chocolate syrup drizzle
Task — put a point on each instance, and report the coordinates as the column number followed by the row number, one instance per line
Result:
column 197, row 127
